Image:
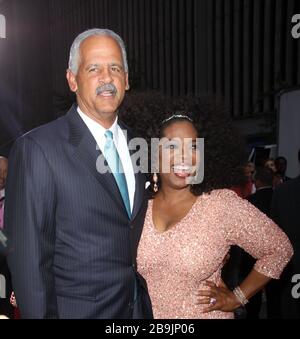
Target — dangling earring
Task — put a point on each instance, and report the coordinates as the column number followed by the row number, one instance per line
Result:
column 155, row 180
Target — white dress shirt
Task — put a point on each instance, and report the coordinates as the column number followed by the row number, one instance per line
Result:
column 98, row 132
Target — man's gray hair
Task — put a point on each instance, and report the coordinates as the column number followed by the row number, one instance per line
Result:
column 75, row 49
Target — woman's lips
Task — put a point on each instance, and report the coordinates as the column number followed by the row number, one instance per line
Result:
column 182, row 175
column 182, row 171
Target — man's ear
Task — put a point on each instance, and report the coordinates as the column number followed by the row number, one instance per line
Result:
column 72, row 81
column 127, row 86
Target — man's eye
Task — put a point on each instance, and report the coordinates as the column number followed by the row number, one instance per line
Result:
column 116, row 69
column 91, row 70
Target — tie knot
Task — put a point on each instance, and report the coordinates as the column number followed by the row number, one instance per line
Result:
column 109, row 135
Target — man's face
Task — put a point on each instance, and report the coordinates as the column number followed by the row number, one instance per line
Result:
column 3, row 172
column 281, row 166
column 249, row 170
column 100, row 64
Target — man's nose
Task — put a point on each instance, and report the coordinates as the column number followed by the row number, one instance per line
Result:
column 105, row 75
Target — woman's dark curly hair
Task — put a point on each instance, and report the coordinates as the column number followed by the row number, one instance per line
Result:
column 224, row 151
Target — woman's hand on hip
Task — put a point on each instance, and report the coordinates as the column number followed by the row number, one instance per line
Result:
column 217, row 298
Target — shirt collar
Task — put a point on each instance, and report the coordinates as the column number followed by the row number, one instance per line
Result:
column 95, row 126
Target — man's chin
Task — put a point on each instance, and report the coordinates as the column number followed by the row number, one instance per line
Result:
column 107, row 109
column 107, row 114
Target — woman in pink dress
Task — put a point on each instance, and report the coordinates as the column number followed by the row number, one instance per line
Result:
column 190, row 227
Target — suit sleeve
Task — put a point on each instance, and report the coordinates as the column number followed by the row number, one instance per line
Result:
column 29, row 219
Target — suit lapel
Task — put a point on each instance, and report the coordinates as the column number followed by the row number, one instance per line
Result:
column 85, row 150
column 140, row 179
column 139, row 193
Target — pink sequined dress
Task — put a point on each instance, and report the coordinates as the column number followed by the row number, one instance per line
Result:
column 177, row 262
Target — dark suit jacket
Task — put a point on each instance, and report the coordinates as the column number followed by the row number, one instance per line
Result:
column 72, row 246
column 286, row 213
column 262, row 200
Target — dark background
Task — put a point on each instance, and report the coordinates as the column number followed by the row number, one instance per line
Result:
column 239, row 50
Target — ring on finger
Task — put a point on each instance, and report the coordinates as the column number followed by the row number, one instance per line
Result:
column 213, row 301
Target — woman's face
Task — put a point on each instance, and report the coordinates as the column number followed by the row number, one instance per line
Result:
column 178, row 155
column 271, row 165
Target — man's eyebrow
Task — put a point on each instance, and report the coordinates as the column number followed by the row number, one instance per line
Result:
column 91, row 65
column 116, row 64
column 97, row 65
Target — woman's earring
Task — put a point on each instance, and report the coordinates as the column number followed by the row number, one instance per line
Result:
column 155, row 180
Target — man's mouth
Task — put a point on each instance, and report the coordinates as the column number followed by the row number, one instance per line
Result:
column 107, row 94
column 107, row 91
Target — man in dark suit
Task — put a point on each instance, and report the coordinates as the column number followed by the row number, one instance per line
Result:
column 281, row 167
column 261, row 199
column 285, row 212
column 5, row 289
column 73, row 228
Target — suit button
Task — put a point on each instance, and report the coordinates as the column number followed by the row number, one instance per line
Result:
column 133, row 266
column 130, row 305
column 131, row 227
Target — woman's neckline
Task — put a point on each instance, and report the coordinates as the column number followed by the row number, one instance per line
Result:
column 177, row 224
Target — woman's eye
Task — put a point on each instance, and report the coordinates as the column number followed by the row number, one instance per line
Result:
column 171, row 146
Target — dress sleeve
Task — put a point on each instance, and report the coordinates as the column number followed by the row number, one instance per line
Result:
column 258, row 235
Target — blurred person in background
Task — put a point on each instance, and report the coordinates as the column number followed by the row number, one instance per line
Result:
column 270, row 163
column 246, row 186
column 5, row 307
column 261, row 199
column 285, row 211
column 281, row 167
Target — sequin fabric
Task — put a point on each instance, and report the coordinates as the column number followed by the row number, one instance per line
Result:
column 178, row 262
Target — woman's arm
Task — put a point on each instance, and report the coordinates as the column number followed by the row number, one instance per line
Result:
column 254, row 283
column 222, row 299
column 250, row 229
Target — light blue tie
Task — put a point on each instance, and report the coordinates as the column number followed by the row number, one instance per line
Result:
column 114, row 162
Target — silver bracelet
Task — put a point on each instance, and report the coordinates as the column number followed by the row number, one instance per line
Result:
column 240, row 296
